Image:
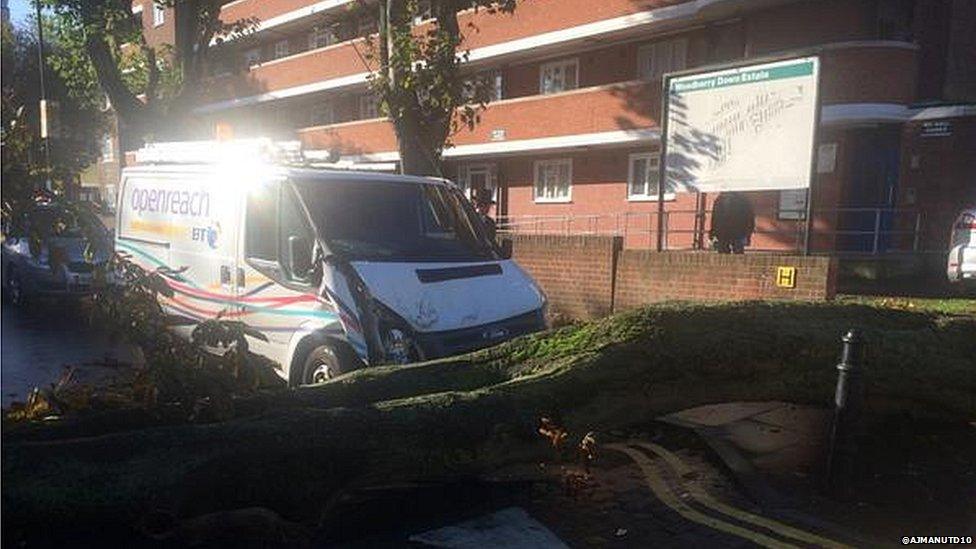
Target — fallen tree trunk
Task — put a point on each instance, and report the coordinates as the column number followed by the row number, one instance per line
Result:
column 298, row 450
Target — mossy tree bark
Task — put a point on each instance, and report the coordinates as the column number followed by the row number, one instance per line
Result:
column 297, row 450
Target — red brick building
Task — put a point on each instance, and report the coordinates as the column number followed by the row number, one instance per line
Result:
column 571, row 140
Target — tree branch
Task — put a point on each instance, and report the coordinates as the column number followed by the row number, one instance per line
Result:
column 128, row 107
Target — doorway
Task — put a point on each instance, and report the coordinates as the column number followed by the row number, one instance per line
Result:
column 869, row 194
column 474, row 177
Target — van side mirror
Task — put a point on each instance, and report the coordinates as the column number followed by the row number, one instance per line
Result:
column 299, row 256
column 506, row 248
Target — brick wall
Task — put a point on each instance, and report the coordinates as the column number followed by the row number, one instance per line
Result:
column 576, row 272
column 644, row 277
column 591, row 276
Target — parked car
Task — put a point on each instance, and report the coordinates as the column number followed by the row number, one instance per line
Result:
column 337, row 269
column 46, row 253
column 962, row 248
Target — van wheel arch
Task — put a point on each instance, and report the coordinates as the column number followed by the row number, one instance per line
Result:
column 347, row 357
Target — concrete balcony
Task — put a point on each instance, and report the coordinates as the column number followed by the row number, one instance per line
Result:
column 540, row 28
column 534, row 17
column 331, row 67
column 617, row 109
column 278, row 11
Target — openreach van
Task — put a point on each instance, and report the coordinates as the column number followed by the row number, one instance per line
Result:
column 338, row 269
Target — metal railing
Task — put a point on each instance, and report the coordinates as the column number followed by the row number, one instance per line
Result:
column 870, row 231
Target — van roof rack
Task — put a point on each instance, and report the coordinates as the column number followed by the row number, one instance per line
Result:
column 210, row 152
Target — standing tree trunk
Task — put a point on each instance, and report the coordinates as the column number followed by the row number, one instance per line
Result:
column 420, row 82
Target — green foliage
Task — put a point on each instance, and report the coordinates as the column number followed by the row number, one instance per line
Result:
column 418, row 75
column 80, row 124
column 151, row 87
column 202, row 376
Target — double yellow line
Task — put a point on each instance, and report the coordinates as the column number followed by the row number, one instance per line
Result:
column 664, row 493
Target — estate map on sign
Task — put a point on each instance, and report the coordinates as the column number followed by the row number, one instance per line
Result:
column 742, row 129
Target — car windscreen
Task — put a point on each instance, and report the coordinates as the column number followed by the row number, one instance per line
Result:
column 392, row 221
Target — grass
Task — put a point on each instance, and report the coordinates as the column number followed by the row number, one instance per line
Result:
column 949, row 306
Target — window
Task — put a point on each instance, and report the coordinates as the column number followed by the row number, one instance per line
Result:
column 472, row 177
column 367, row 26
column 488, row 82
column 369, row 106
column 895, row 20
column 220, row 67
column 293, row 227
column 320, row 38
column 252, row 57
column 395, row 222
column 137, row 16
column 322, row 113
column 261, row 230
column 559, row 76
column 281, row 48
column 108, row 148
column 655, row 60
column 497, row 86
column 553, row 180
column 643, row 176
column 793, row 204
column 159, row 14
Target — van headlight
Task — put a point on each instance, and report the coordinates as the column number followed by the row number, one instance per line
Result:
column 399, row 348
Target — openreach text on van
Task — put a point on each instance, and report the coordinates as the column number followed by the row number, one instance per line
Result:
column 194, row 204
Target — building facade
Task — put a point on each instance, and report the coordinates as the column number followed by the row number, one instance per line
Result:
column 571, row 141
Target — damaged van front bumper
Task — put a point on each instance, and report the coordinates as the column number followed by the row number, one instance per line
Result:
column 455, row 342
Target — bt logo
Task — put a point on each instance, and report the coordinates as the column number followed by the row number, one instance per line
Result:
column 206, row 234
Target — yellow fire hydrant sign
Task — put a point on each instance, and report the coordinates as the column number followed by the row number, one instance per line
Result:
column 786, row 277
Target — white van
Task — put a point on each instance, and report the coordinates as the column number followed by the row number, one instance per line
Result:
column 337, row 268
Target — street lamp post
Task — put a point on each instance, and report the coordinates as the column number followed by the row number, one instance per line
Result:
column 45, row 138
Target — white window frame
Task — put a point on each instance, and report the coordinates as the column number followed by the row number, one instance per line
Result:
column 320, row 37
column 252, row 54
column 159, row 14
column 282, row 49
column 369, row 102
column 537, row 184
column 654, row 158
column 489, row 170
column 677, row 58
column 562, row 63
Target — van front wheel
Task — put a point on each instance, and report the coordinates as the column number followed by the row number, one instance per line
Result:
column 321, row 365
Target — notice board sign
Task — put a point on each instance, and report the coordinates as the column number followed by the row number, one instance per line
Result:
column 745, row 128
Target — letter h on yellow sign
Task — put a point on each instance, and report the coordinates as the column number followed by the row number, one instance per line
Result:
column 786, row 277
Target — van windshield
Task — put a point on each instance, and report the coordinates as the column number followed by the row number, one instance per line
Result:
column 379, row 221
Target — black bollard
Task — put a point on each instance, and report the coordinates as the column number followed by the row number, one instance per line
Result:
column 848, row 402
